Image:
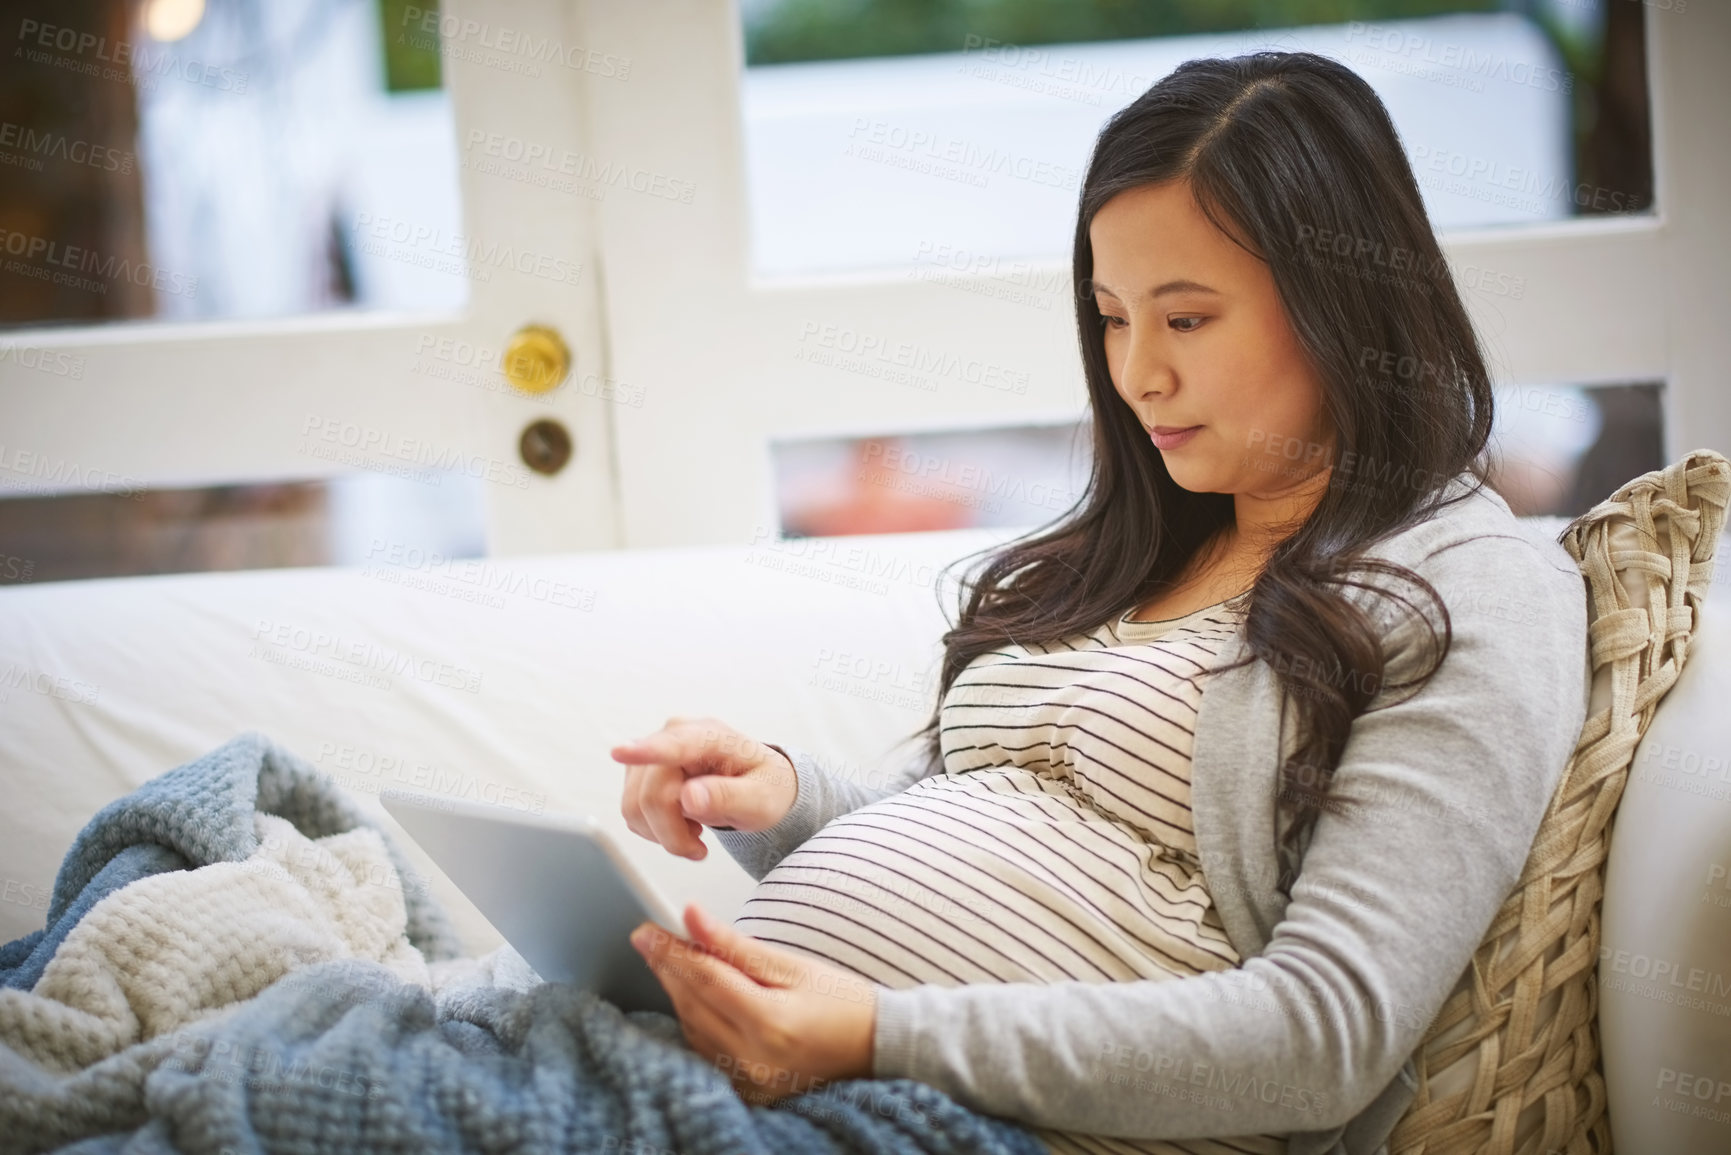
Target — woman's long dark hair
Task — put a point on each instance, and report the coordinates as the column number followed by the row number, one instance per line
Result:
column 1293, row 156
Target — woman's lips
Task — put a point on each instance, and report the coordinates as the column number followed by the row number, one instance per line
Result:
column 1173, row 440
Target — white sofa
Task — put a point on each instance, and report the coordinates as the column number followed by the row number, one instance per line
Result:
column 503, row 680
column 509, row 681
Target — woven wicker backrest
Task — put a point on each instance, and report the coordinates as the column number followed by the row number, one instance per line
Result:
column 1529, row 1017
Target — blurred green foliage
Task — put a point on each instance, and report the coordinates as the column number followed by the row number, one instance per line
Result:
column 411, row 53
column 792, row 30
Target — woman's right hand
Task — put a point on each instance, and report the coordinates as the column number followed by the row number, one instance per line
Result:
column 697, row 772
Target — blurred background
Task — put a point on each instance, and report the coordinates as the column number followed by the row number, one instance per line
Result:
column 281, row 281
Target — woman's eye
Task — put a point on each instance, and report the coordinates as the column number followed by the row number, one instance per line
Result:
column 1113, row 322
column 1186, row 324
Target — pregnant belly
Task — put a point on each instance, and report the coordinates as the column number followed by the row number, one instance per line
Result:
column 991, row 876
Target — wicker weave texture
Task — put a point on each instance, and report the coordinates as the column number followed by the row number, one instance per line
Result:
column 1530, row 1014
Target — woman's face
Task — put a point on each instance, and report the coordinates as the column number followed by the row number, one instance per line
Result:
column 1195, row 336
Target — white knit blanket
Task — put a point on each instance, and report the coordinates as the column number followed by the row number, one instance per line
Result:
column 175, row 948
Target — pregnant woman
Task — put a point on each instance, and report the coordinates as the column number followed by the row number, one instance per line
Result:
column 1233, row 765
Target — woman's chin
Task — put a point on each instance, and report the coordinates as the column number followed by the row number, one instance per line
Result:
column 1195, row 475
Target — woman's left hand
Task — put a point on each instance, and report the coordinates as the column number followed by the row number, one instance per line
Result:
column 776, row 1022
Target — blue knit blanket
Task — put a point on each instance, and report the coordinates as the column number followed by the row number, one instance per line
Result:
column 343, row 1056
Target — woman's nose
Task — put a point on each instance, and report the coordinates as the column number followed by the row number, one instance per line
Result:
column 1146, row 371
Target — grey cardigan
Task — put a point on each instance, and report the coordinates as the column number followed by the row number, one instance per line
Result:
column 1312, row 1035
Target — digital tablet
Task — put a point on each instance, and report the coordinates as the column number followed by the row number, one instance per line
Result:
column 558, row 887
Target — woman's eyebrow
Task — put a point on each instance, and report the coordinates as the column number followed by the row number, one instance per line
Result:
column 1178, row 286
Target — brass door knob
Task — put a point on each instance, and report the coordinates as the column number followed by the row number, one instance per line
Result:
column 536, row 360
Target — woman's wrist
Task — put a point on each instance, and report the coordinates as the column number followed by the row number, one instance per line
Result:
column 792, row 777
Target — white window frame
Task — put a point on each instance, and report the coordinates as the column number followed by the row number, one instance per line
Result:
column 1606, row 299
column 667, row 312
column 220, row 402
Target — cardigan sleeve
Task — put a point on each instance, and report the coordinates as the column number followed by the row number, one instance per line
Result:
column 1446, row 790
column 819, row 797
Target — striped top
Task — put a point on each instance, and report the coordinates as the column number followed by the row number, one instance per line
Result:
column 1056, row 845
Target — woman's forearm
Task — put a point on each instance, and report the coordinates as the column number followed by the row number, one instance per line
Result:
column 821, row 796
